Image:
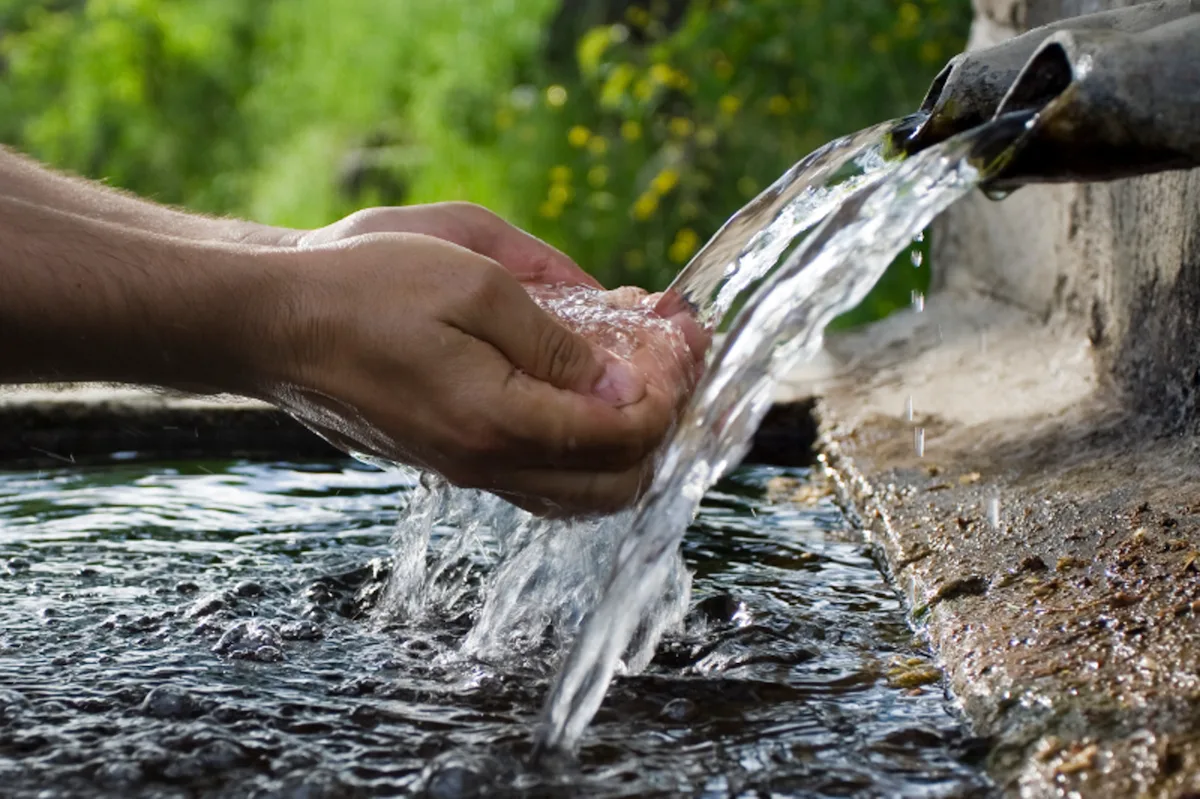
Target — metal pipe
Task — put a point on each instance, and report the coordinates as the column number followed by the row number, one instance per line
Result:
column 1109, row 104
column 969, row 90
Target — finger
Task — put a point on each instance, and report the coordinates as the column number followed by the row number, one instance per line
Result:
column 525, row 256
column 671, row 306
column 517, row 421
column 571, row 432
column 502, row 314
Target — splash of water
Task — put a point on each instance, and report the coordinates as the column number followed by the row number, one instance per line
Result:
column 615, row 585
column 537, row 578
column 782, row 323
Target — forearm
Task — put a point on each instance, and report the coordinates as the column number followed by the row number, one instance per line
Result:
column 83, row 299
column 24, row 179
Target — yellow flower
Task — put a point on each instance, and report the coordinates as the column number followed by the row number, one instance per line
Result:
column 616, row 85
column 681, row 127
column 597, row 176
column 747, row 185
column 645, row 206
column 664, row 181
column 560, row 173
column 556, row 96
column 706, row 136
column 631, row 130
column 684, row 246
column 549, row 210
column 729, row 104
column 578, row 136
column 661, row 73
column 643, row 89
column 559, row 194
column 778, row 105
column 679, row 80
column 598, row 145
column 591, row 49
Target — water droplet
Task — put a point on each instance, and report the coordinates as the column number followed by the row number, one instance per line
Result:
column 993, row 512
column 918, row 301
column 917, row 258
column 919, row 441
column 996, row 195
column 908, row 408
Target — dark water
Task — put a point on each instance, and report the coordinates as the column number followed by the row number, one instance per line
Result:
column 200, row 629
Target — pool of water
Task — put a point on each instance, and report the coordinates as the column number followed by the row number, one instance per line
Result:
column 202, row 629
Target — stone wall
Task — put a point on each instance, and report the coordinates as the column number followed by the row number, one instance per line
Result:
column 1119, row 261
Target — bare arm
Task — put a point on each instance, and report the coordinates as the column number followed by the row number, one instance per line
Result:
column 85, row 299
column 399, row 345
column 466, row 225
column 25, row 179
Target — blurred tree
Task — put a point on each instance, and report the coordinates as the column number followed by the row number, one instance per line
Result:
column 664, row 126
column 624, row 131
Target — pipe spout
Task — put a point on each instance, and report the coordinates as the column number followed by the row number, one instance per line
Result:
column 1108, row 105
column 971, row 87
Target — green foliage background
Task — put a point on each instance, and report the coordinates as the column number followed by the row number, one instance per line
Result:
column 627, row 152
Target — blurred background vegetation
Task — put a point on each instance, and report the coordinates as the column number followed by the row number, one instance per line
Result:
column 623, row 131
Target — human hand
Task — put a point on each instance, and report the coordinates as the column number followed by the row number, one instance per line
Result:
column 470, row 226
column 407, row 348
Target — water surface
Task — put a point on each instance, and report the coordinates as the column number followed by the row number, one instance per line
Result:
column 203, row 629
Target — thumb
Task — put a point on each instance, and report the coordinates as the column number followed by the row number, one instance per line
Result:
column 542, row 347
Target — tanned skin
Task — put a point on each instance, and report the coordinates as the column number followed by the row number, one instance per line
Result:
column 405, row 334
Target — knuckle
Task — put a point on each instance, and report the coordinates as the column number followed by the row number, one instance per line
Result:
column 368, row 220
column 559, row 357
column 473, row 214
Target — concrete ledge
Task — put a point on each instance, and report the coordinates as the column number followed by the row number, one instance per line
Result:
column 43, row 426
column 1047, row 540
column 52, row 425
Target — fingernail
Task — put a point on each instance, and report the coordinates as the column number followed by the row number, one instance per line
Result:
column 620, row 384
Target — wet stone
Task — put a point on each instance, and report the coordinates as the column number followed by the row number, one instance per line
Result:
column 459, row 776
column 248, row 588
column 300, row 631
column 171, row 702
column 205, row 606
column 251, row 640
column 17, row 565
column 717, row 609
column 360, row 686
column 679, row 710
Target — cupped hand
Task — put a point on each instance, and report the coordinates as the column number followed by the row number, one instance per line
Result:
column 470, row 226
column 408, row 348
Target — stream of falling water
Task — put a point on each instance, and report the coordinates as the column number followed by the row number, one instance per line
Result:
column 610, row 587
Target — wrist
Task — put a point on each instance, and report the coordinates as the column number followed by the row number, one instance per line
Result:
column 242, row 338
